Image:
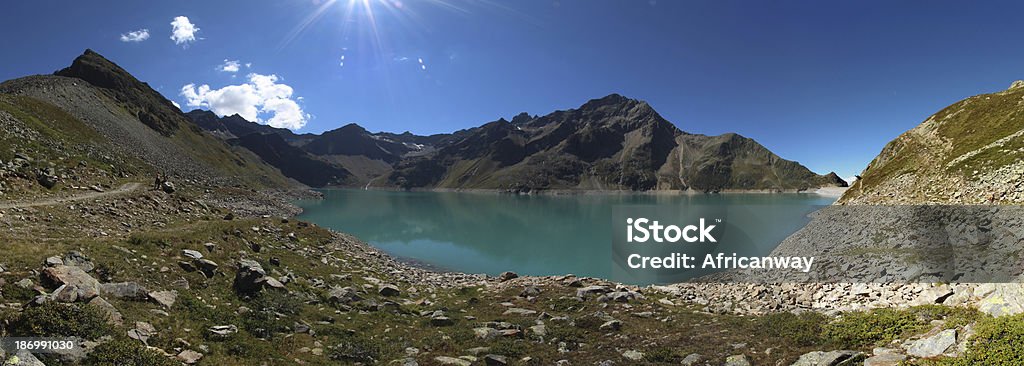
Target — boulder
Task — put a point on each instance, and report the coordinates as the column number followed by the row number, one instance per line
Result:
column 344, row 295
column 249, row 278
column 691, row 359
column 114, row 317
column 124, row 291
column 223, row 330
column 495, row 360
column 81, row 284
column 592, row 290
column 164, row 298
column 1001, row 299
column 77, row 259
column 389, row 290
column 934, row 345
column 831, row 358
column 445, row 360
column 633, row 355
column 208, row 267
column 192, row 254
column 507, row 275
column 189, row 357
column 737, row 360
column 519, row 311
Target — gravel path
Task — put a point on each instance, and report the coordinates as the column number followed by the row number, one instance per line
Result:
column 126, row 188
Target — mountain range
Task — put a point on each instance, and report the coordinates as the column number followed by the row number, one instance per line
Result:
column 610, row 143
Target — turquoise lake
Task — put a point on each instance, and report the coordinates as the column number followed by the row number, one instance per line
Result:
column 531, row 235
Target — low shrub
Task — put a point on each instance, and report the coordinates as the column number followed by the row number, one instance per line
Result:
column 126, row 352
column 54, row 319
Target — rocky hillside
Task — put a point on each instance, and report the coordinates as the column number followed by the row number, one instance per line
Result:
column 95, row 111
column 612, row 143
column 971, row 152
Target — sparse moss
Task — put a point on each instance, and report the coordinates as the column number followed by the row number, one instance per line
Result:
column 126, row 352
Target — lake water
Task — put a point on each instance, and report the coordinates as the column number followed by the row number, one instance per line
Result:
column 530, row 235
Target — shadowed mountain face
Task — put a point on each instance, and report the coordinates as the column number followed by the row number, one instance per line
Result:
column 611, row 143
column 292, row 161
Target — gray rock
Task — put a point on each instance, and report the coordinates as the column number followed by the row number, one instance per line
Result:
column 441, row 321
column 54, row 261
column 519, row 311
column 495, row 360
column 223, row 330
column 124, row 290
column 24, row 358
column 633, row 355
column 885, row 359
column 530, row 291
column 505, row 276
column 592, row 290
column 164, row 298
column 113, row 316
column 486, row 333
column 1001, row 299
column 82, row 284
column 344, row 295
column 77, row 259
column 539, row 330
column 189, row 357
column 611, row 325
column 249, row 278
column 445, row 360
column 831, row 358
column 691, row 359
column 737, row 360
column 208, row 267
column 934, row 345
column 389, row 290
column 192, row 254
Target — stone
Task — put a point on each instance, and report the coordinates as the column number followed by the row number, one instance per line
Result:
column 885, row 359
column 142, row 332
column 592, row 290
column 445, row 360
column 223, row 330
column 933, row 346
column 114, row 317
column 389, row 290
column 82, row 284
column 633, row 355
column 192, row 254
column 54, row 261
column 164, row 298
column 249, row 278
column 530, row 291
column 208, row 267
column 441, row 321
column 24, row 358
column 486, row 333
column 539, row 330
column 344, row 295
column 1001, row 299
column 507, row 275
column 272, row 283
column 519, row 311
column 737, row 360
column 691, row 359
column 189, row 357
column 210, row 247
column 831, row 358
column 495, row 360
column 77, row 259
column 124, row 291
column 611, row 325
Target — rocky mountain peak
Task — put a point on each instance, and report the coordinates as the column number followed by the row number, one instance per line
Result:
column 1016, row 84
column 151, row 108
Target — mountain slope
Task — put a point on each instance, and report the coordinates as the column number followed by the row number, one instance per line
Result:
column 136, row 122
column 970, row 152
column 292, row 161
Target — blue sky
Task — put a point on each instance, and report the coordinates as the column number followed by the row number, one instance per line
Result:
column 823, row 83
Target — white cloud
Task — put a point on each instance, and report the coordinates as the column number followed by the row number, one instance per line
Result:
column 176, row 104
column 135, row 36
column 851, row 179
column 183, row 31
column 230, row 66
column 261, row 96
